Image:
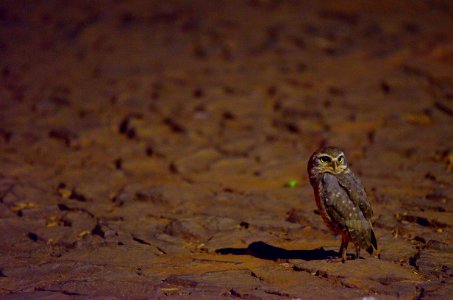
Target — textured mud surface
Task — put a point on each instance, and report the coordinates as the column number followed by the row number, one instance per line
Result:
column 145, row 147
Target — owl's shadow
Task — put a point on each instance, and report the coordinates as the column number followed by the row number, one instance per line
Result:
column 265, row 251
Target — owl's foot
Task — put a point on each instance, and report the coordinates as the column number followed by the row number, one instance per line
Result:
column 342, row 258
column 355, row 256
column 334, row 259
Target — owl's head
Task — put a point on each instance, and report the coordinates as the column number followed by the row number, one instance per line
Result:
column 328, row 159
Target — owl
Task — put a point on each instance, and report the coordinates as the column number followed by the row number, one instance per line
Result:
column 341, row 200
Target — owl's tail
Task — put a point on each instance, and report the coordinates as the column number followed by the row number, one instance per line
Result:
column 362, row 234
column 373, row 243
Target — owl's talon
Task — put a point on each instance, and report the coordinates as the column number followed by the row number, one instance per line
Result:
column 341, row 258
column 335, row 259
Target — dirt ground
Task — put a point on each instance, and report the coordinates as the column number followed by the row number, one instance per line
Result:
column 146, row 147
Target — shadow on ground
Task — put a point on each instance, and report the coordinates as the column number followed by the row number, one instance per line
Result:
column 265, row 251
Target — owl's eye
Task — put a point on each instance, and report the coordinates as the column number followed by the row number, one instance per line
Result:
column 341, row 159
column 325, row 159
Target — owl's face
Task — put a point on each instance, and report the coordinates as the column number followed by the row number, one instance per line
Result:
column 329, row 159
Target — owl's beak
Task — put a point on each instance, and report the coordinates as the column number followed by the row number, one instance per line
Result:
column 336, row 166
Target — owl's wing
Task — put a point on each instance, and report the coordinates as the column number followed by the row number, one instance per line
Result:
column 343, row 211
column 351, row 183
column 338, row 205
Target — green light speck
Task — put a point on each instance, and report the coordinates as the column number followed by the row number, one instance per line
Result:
column 291, row 184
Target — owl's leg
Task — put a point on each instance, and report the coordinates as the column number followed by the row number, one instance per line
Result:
column 344, row 245
column 357, row 251
column 343, row 248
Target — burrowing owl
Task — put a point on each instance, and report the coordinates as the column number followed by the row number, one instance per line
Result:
column 341, row 200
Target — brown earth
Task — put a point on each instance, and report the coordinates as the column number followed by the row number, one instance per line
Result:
column 145, row 147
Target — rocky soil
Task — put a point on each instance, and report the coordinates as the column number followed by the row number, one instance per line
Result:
column 146, row 147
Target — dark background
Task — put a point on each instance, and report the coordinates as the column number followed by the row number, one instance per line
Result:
column 145, row 146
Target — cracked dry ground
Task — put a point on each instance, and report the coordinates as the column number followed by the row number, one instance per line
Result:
column 145, row 147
